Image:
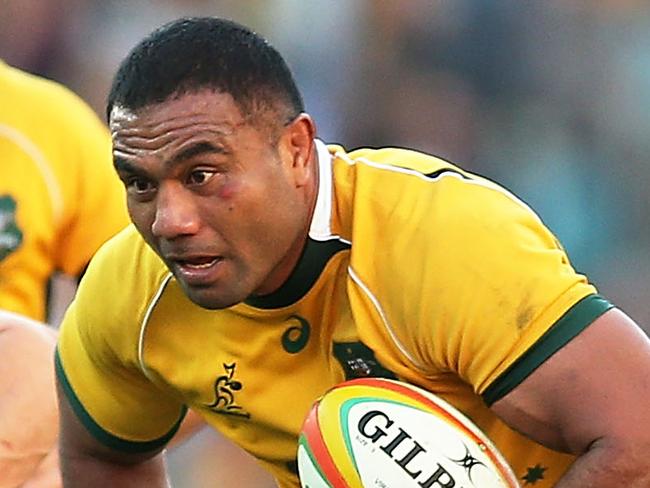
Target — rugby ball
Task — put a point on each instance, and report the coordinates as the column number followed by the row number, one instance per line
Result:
column 383, row 433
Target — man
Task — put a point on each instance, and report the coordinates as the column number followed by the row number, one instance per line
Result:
column 264, row 267
column 59, row 200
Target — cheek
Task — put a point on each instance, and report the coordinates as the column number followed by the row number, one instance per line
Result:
column 141, row 217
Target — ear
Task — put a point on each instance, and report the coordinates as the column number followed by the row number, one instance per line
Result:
column 297, row 149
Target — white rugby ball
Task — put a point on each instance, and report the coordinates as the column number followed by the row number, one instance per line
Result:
column 382, row 433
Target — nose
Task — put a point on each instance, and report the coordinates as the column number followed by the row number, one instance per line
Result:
column 176, row 212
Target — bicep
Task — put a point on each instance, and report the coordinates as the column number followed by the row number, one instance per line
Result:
column 595, row 387
column 86, row 461
column 76, row 441
column 109, row 393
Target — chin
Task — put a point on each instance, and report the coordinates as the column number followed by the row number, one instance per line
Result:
column 210, row 300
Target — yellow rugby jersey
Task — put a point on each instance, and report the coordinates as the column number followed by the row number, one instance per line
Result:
column 59, row 196
column 413, row 269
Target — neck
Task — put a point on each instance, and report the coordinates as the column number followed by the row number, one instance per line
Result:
column 287, row 265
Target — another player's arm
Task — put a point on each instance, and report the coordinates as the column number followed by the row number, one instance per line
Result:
column 27, row 401
column 87, row 462
column 591, row 398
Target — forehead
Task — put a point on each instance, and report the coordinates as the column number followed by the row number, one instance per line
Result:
column 204, row 107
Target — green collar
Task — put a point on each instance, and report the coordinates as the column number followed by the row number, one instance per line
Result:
column 312, row 262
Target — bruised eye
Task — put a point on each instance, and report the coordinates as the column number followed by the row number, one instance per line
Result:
column 200, row 176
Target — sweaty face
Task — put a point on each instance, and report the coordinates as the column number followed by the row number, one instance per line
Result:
column 219, row 200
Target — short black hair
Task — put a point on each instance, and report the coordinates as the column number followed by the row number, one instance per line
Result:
column 194, row 53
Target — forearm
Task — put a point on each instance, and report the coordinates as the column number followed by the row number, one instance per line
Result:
column 28, row 409
column 610, row 465
column 14, row 471
column 82, row 472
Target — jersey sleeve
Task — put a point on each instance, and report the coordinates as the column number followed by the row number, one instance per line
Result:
column 94, row 196
column 97, row 366
column 484, row 289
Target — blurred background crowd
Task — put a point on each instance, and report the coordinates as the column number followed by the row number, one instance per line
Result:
column 550, row 98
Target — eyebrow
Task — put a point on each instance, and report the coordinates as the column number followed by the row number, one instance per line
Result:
column 197, row 149
column 121, row 164
column 194, row 150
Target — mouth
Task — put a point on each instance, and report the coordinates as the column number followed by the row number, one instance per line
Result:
column 198, row 263
column 197, row 270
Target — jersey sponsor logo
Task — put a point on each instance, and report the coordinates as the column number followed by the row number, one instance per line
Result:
column 359, row 361
column 295, row 338
column 10, row 235
column 225, row 387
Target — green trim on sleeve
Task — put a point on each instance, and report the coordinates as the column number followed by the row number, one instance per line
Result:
column 98, row 432
column 574, row 321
